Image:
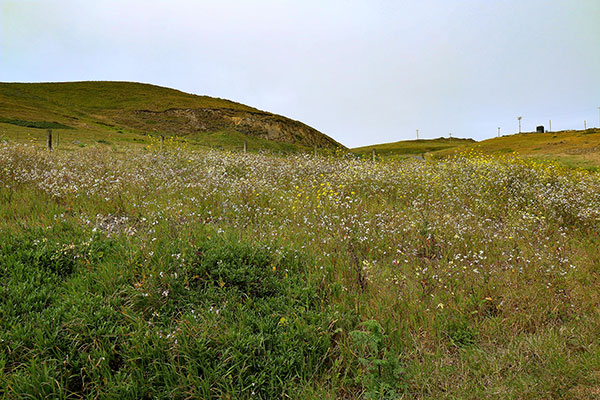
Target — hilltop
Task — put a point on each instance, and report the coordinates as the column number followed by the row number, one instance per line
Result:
column 127, row 109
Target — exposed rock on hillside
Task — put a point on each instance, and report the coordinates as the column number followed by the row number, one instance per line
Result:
column 263, row 125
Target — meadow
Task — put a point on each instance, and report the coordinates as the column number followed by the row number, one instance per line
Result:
column 184, row 273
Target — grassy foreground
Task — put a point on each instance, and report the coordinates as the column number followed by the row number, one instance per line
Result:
column 210, row 274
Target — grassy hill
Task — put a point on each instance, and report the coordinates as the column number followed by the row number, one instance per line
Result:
column 575, row 148
column 413, row 147
column 126, row 111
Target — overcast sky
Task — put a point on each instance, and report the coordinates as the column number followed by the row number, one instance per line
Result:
column 363, row 72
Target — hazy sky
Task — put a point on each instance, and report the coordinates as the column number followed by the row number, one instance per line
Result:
column 362, row 72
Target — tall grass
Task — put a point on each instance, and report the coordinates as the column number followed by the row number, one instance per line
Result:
column 187, row 274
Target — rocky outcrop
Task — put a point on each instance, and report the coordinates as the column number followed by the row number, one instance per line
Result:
column 259, row 124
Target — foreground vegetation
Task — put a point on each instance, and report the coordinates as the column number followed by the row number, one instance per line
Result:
column 212, row 274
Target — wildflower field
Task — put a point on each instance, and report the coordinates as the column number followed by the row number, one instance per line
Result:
column 196, row 274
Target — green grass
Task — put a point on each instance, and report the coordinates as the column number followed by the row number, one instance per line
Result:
column 412, row 147
column 86, row 321
column 576, row 149
column 34, row 124
column 121, row 139
column 130, row 272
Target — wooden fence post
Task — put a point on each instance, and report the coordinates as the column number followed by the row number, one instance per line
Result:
column 315, row 154
column 49, row 139
column 373, row 155
column 245, row 146
column 162, row 141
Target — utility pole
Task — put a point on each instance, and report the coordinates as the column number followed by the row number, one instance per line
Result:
column 417, row 134
column 519, row 118
column 549, row 125
column 498, row 131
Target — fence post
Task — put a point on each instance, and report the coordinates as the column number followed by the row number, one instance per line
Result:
column 162, row 141
column 49, row 139
column 315, row 152
column 373, row 155
column 245, row 146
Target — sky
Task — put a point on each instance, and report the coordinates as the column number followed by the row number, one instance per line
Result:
column 360, row 71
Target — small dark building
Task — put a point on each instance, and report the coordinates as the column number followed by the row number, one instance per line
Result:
column 540, row 129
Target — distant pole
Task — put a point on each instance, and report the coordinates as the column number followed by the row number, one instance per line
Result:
column 417, row 134
column 498, row 131
column 519, row 118
column 49, row 139
column 549, row 125
column 584, row 124
column 373, row 155
column 245, row 146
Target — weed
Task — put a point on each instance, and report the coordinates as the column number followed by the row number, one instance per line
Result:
column 382, row 375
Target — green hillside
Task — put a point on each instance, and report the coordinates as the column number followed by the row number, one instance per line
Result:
column 575, row 148
column 127, row 111
column 412, row 147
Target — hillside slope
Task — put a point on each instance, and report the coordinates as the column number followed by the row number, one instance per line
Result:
column 576, row 148
column 411, row 147
column 146, row 109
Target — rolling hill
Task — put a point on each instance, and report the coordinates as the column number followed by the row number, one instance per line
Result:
column 575, row 148
column 406, row 148
column 96, row 109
